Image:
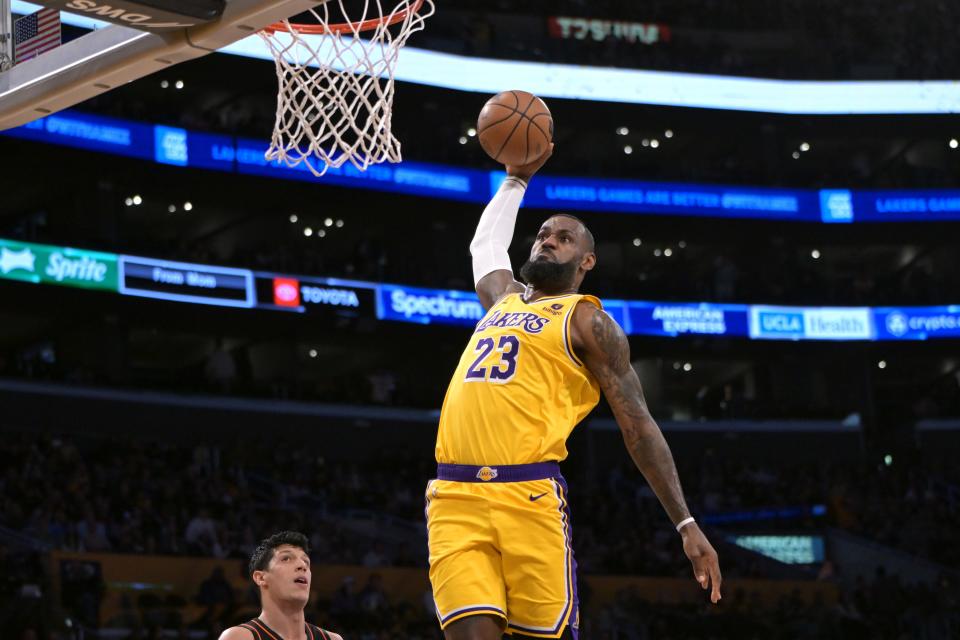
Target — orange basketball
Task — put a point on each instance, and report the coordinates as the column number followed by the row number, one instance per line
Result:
column 515, row 127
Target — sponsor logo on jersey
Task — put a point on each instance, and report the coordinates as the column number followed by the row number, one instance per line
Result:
column 554, row 309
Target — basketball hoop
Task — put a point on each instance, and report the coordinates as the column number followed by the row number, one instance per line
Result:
column 335, row 97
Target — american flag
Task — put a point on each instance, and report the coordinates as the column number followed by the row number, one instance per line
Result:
column 36, row 33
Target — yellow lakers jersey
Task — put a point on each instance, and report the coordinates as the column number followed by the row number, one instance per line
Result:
column 519, row 389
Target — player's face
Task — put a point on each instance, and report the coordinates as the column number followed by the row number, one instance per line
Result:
column 288, row 575
column 557, row 256
column 557, row 241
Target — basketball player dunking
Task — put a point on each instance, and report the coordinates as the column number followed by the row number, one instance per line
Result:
column 497, row 517
column 280, row 567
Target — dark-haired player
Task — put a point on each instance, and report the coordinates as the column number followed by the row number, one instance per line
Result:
column 501, row 558
column 280, row 567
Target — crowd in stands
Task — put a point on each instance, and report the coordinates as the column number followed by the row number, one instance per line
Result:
column 877, row 607
column 90, row 494
column 137, row 497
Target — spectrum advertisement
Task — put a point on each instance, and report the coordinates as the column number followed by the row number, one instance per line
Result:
column 191, row 283
column 428, row 306
column 184, row 148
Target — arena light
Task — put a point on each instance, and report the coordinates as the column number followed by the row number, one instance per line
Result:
column 462, row 140
column 668, row 133
column 668, row 252
column 312, row 353
column 682, row 244
column 637, row 242
column 188, row 206
column 293, row 218
column 179, row 84
column 654, row 143
column 622, row 131
column 339, row 223
column 804, row 146
column 796, row 155
column 164, row 84
column 128, row 202
column 657, row 252
column 322, row 233
column 308, row 231
column 882, row 364
column 328, row 222
column 953, row 143
column 471, row 132
column 815, row 254
column 687, row 367
column 628, row 149
column 171, row 208
column 137, row 200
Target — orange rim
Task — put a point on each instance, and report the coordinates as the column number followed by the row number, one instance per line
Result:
column 337, row 29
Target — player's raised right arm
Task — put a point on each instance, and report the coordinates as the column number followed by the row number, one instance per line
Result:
column 492, row 272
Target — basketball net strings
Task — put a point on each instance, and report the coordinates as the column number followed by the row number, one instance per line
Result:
column 335, row 91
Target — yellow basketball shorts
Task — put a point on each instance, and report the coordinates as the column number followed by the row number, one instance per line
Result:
column 500, row 544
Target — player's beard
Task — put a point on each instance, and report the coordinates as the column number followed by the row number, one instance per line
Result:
column 546, row 275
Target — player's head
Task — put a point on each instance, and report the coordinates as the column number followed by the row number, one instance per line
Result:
column 561, row 255
column 280, row 567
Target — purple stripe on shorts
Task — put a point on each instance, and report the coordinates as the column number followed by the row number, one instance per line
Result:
column 498, row 473
column 461, row 612
column 573, row 569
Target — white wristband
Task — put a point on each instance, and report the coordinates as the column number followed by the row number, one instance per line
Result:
column 683, row 523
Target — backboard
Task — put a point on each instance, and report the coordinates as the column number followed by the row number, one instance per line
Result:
column 115, row 55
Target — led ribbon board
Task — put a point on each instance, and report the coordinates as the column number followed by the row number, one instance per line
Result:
column 242, row 288
column 181, row 147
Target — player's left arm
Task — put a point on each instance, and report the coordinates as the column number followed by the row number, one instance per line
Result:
column 603, row 347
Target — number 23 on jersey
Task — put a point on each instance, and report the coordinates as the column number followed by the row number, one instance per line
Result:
column 499, row 370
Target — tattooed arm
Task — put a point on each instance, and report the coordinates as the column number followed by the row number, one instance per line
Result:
column 604, row 349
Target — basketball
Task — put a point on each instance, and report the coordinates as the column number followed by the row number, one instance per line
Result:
column 515, row 127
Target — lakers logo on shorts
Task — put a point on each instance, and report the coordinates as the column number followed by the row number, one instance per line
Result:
column 486, row 474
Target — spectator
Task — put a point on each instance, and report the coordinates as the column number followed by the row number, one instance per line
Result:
column 216, row 595
column 201, row 535
column 92, row 533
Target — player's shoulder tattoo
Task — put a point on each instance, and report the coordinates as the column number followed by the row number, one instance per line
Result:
column 611, row 340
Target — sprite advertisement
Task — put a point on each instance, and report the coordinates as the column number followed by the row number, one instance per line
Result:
column 45, row 264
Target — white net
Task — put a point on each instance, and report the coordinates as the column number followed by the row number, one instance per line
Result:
column 335, row 98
